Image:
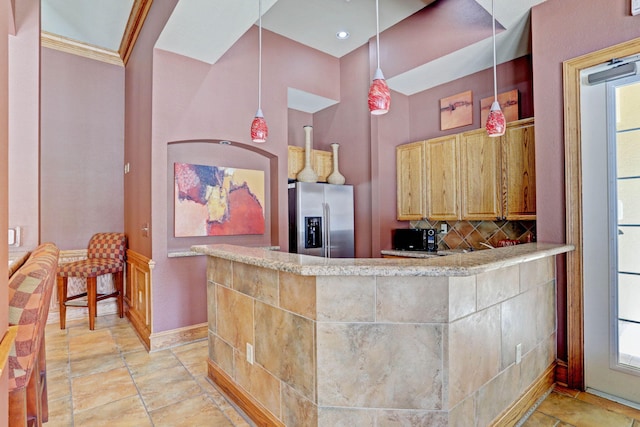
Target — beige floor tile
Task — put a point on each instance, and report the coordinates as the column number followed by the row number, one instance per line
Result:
column 57, row 358
column 93, row 343
column 127, row 412
column 579, row 413
column 566, row 391
column 142, row 363
column 538, row 419
column 237, row 419
column 55, row 337
column 227, row 408
column 53, row 329
column 95, row 363
column 126, row 339
column 610, row 405
column 164, row 387
column 194, row 357
column 98, row 389
column 196, row 411
column 60, row 414
column 58, row 384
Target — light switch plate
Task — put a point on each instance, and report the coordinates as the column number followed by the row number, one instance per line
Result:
column 250, row 356
column 635, row 7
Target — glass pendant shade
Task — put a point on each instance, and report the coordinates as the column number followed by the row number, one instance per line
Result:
column 379, row 95
column 496, row 123
column 259, row 130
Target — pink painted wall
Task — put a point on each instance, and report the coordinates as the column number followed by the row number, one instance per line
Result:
column 82, row 149
column 24, row 123
column 138, row 128
column 594, row 25
column 296, row 120
column 348, row 124
column 424, row 109
column 194, row 101
column 437, row 30
column 417, row 118
column 6, row 28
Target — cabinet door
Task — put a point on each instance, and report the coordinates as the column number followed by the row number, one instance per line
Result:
column 410, row 181
column 480, row 176
column 519, row 180
column 443, row 198
column 138, row 293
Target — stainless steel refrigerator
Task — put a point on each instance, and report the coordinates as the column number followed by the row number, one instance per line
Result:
column 321, row 219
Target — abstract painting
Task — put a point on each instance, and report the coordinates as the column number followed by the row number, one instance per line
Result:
column 218, row 201
column 456, row 111
column 508, row 103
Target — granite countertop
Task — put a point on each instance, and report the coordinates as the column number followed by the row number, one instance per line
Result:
column 420, row 254
column 457, row 264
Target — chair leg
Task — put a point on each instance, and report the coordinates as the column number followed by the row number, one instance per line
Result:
column 62, row 298
column 117, row 281
column 92, row 290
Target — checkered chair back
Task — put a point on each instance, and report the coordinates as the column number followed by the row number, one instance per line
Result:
column 111, row 246
column 106, row 254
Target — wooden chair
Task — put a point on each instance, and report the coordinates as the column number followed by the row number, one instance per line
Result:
column 105, row 255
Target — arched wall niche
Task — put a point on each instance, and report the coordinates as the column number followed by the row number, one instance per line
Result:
column 231, row 154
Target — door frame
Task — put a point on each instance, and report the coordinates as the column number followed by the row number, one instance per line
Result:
column 573, row 198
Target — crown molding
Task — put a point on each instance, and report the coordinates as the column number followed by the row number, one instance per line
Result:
column 137, row 17
column 74, row 47
column 138, row 14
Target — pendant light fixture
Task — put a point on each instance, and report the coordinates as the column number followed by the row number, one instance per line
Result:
column 259, row 130
column 379, row 94
column 496, row 123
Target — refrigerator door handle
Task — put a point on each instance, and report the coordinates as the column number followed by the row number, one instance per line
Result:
column 327, row 228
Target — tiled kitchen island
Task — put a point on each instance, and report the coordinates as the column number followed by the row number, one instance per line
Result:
column 381, row 342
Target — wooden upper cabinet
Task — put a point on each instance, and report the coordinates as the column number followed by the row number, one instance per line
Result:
column 410, row 181
column 480, row 176
column 519, row 173
column 321, row 162
column 469, row 176
column 443, row 175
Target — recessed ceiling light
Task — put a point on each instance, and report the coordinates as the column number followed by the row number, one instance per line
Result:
column 342, row 35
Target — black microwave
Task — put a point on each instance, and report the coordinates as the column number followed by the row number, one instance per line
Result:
column 413, row 239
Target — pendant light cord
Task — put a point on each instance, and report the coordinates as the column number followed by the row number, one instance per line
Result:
column 495, row 79
column 259, row 54
column 377, row 34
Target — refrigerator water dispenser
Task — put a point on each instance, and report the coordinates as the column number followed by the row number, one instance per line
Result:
column 313, row 232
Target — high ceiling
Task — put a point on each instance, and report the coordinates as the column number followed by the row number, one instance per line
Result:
column 204, row 30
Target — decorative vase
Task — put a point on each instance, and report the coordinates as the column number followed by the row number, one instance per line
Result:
column 335, row 177
column 307, row 174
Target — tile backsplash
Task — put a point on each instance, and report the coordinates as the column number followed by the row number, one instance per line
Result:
column 476, row 234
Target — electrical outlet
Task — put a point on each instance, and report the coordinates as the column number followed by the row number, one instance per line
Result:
column 444, row 228
column 518, row 353
column 250, row 353
column 127, row 167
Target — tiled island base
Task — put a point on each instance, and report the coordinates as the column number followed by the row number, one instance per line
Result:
column 396, row 346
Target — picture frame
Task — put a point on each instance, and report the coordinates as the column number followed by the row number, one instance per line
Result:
column 509, row 103
column 456, row 110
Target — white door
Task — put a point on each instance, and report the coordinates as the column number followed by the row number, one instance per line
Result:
column 611, row 231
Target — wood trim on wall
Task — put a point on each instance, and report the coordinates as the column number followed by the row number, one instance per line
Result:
column 138, row 14
column 139, row 11
column 174, row 337
column 254, row 410
column 519, row 408
column 573, row 189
